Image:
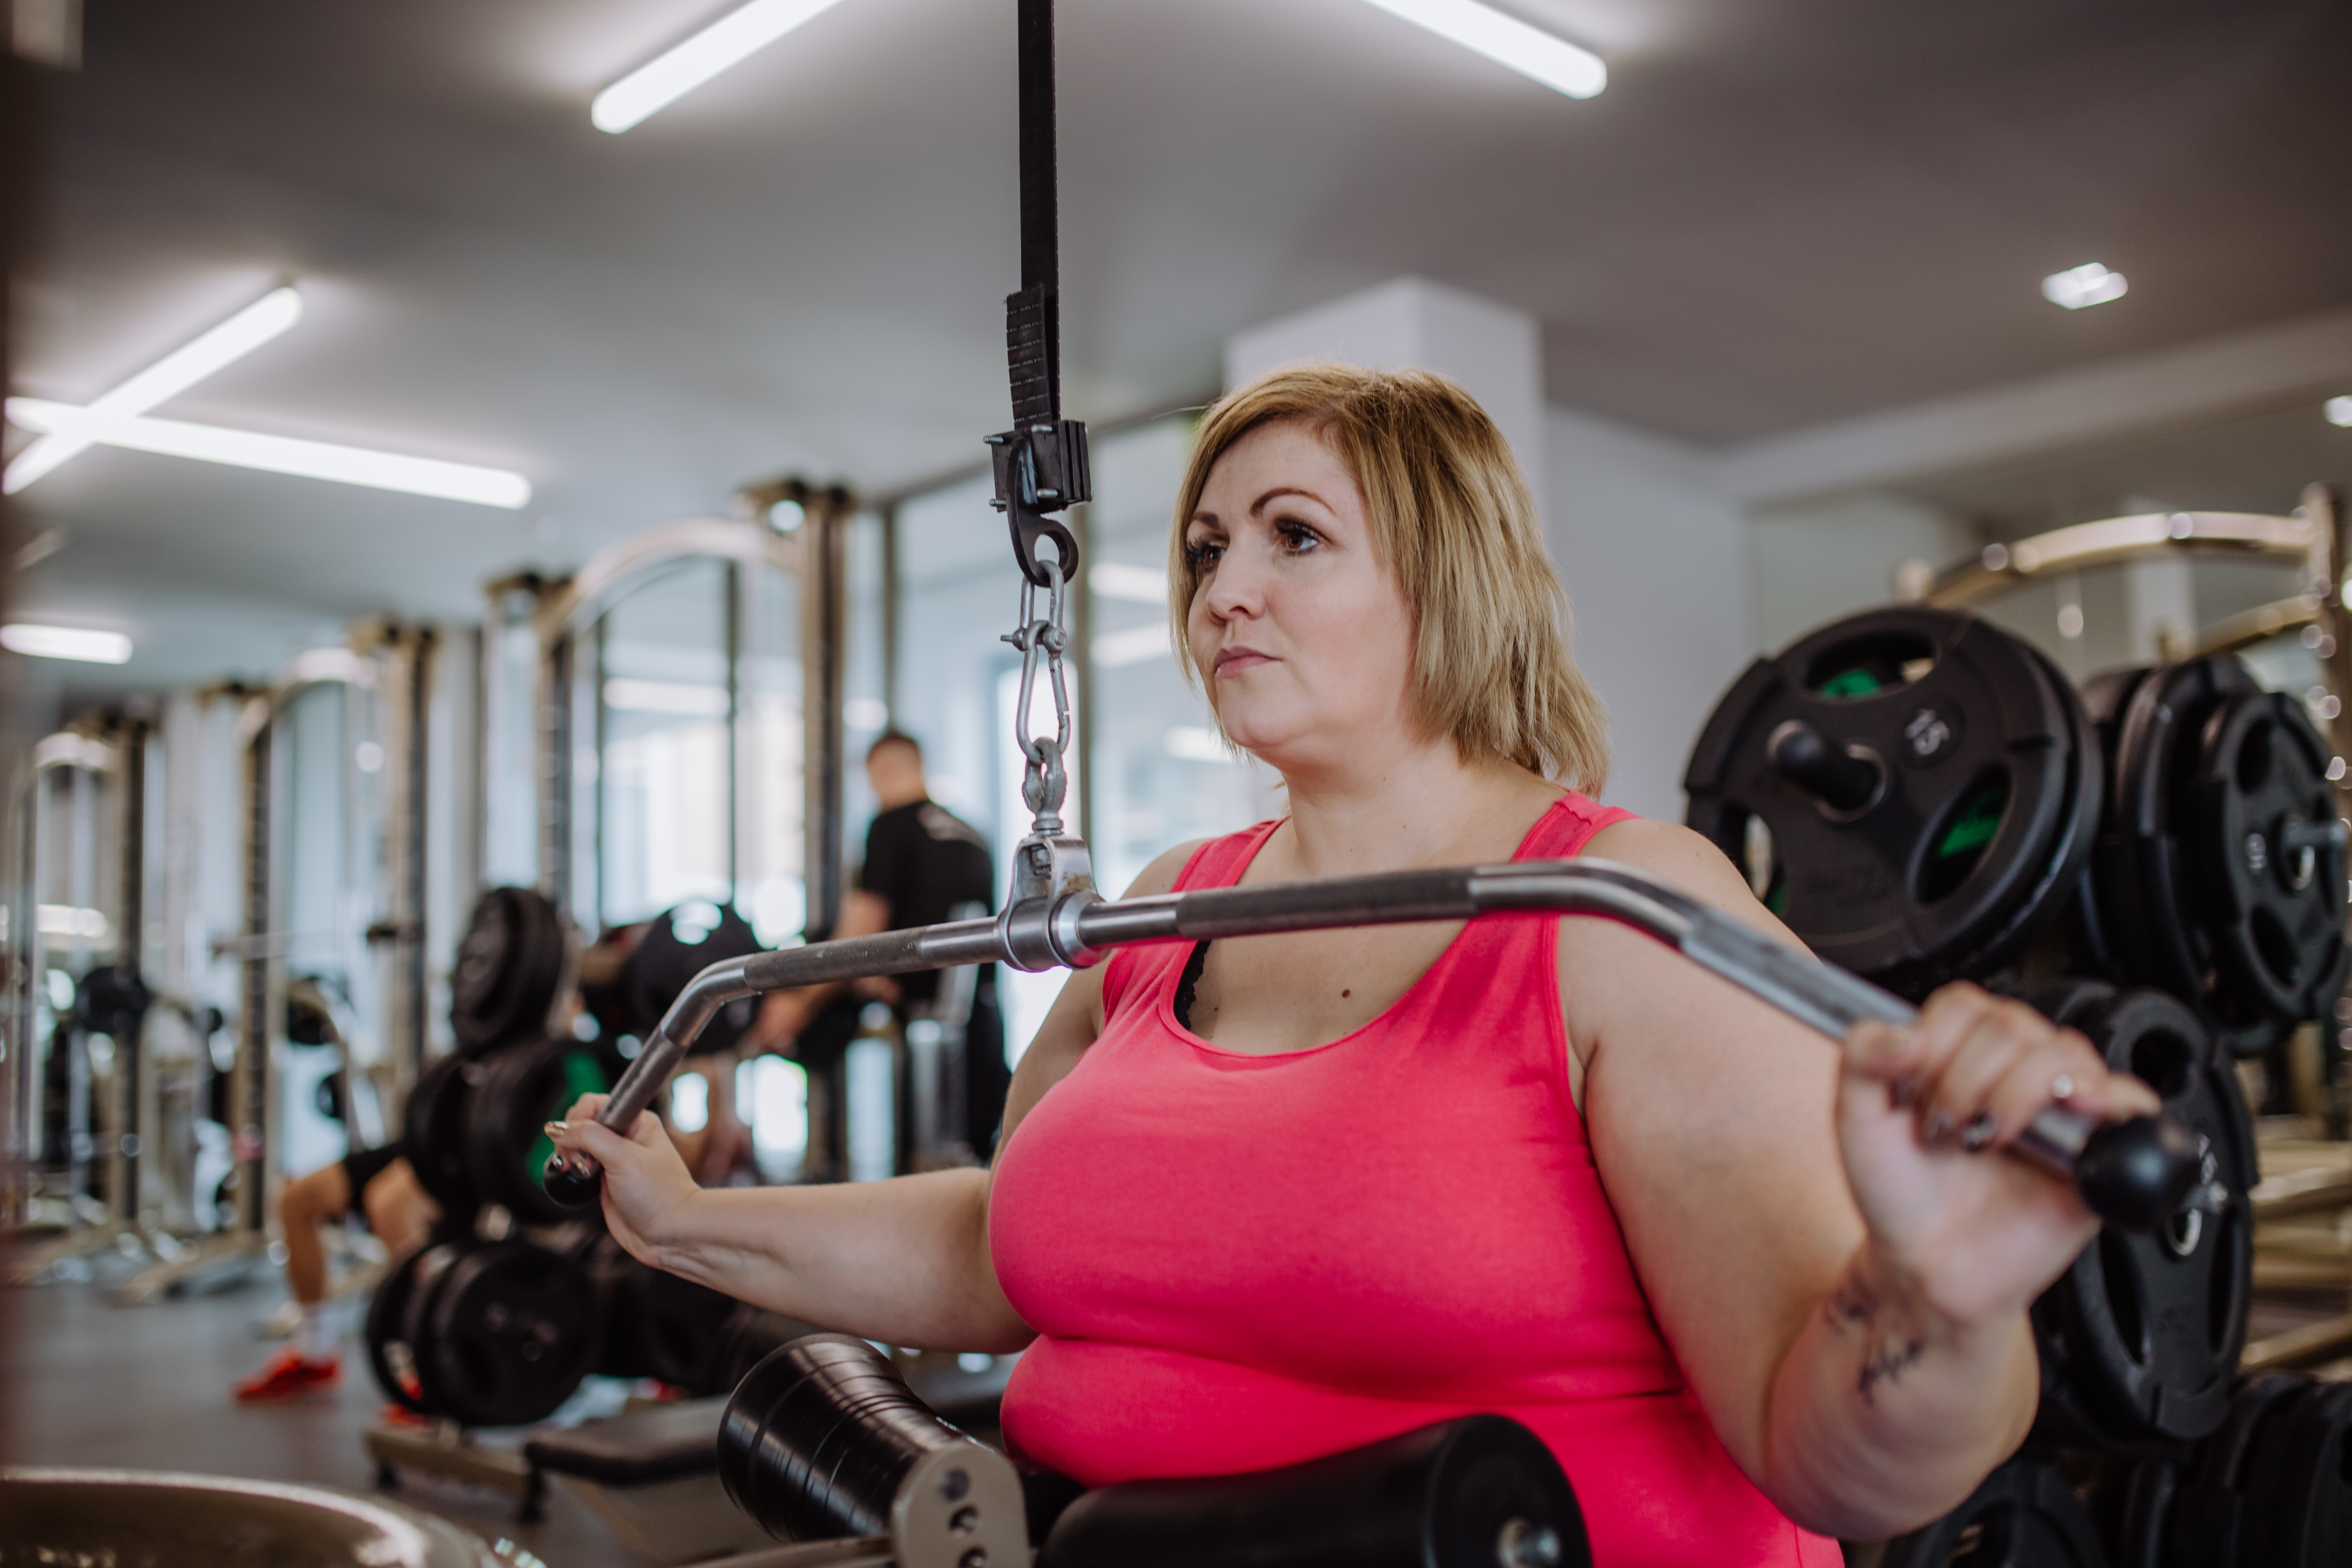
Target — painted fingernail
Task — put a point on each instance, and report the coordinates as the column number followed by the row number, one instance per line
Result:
column 1902, row 1092
column 2062, row 1086
column 557, row 1129
column 1979, row 1131
column 1939, row 1127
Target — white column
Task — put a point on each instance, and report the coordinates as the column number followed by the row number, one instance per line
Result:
column 1494, row 352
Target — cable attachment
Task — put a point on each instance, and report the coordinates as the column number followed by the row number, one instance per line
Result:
column 1045, row 782
column 1052, row 874
column 1041, row 467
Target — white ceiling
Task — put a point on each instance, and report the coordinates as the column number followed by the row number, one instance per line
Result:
column 1781, row 212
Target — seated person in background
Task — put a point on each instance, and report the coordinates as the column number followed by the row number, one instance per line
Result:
column 923, row 865
column 377, row 1184
column 1268, row 1198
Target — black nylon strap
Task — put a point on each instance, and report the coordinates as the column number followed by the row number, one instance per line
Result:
column 1033, row 318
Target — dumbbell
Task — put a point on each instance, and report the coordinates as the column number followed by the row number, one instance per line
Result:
column 825, row 1440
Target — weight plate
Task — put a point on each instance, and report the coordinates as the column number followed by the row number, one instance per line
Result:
column 2139, row 1339
column 676, row 946
column 2270, row 862
column 519, row 1088
column 2196, row 1517
column 1925, row 782
column 2148, row 857
column 2023, row 1516
column 510, row 966
column 409, row 1321
column 674, row 1330
column 395, row 1368
column 504, row 1332
column 2299, row 1482
column 432, row 1133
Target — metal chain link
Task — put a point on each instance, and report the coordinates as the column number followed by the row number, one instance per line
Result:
column 1043, row 779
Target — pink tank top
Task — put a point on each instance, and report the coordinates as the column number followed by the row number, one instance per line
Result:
column 1237, row 1261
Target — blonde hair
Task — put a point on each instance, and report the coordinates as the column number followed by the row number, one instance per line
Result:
column 1452, row 518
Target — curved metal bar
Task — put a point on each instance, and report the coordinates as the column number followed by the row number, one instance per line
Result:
column 604, row 575
column 1824, row 998
column 2087, row 544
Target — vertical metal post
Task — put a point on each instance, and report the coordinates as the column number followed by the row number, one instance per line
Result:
column 892, row 587
column 822, row 637
column 1082, row 669
column 21, row 1089
column 412, row 649
column 129, row 1131
column 553, row 699
column 734, row 587
column 249, row 1086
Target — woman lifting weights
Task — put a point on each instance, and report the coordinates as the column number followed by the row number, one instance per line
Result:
column 1278, row 1196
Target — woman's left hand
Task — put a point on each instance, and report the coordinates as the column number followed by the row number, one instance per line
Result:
column 1922, row 1114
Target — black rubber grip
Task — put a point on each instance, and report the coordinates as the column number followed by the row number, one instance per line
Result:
column 2137, row 1174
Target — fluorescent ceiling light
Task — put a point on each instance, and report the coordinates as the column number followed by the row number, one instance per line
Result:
column 77, row 643
column 2339, row 411
column 72, row 920
column 2089, row 284
column 1118, row 580
column 655, row 86
column 279, row 454
column 165, row 379
column 1555, row 62
column 623, row 695
column 1113, row 650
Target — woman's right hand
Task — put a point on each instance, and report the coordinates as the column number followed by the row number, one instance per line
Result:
column 646, row 1184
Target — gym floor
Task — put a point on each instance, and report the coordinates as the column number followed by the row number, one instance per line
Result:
column 147, row 1387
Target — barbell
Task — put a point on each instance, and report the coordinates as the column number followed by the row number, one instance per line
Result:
column 2134, row 1173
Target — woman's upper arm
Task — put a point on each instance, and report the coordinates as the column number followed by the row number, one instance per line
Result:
column 1076, row 1018
column 1712, row 1121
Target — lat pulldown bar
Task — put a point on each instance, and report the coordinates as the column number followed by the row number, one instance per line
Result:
column 2134, row 1174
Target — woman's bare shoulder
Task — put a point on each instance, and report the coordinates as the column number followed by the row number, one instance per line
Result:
column 1160, row 876
column 1675, row 854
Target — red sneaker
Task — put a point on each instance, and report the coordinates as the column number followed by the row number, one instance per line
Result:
column 401, row 1418
column 288, row 1376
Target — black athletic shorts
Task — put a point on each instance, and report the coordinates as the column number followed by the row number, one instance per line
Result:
column 361, row 1166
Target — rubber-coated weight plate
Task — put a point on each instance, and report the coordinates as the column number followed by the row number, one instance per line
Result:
column 432, row 1133
column 504, row 1334
column 387, row 1314
column 518, row 1090
column 676, row 946
column 510, row 966
column 2196, row 1516
column 2299, row 1483
column 676, row 1329
column 2023, row 1516
column 2139, row 1339
column 413, row 1327
column 1926, row 783
column 2270, row 863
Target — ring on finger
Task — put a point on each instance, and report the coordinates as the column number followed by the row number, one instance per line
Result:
column 2062, row 1087
column 1979, row 1131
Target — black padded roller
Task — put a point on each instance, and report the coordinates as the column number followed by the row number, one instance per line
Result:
column 1477, row 1492
column 819, row 1435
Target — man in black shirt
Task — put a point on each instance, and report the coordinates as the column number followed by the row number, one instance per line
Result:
column 923, row 865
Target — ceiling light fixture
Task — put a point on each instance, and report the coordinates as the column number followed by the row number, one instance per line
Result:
column 165, row 379
column 1555, row 62
column 660, row 82
column 277, row 454
column 2089, row 284
column 77, row 643
column 2339, row 412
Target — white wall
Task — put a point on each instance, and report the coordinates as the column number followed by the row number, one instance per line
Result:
column 1816, row 561
column 1656, row 561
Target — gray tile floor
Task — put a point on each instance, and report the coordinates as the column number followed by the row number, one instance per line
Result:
column 148, row 1387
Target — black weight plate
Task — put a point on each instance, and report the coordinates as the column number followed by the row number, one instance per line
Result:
column 509, row 965
column 2275, row 908
column 679, row 1328
column 2299, row 1483
column 2023, row 1516
column 2206, row 1521
column 2139, row 1339
column 1975, row 829
column 2106, row 697
column 413, row 1327
column 508, row 1331
column 2145, row 864
column 518, row 1090
column 432, row 1133
column 676, row 947
column 386, row 1320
